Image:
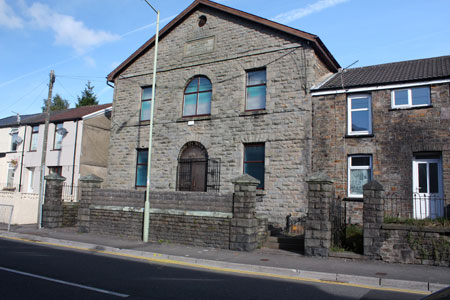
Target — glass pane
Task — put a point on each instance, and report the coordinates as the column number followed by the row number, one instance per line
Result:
column 360, row 103
column 58, row 141
column 254, row 153
column 205, row 84
column 360, row 121
column 256, row 77
column 361, row 161
column 141, row 175
column 204, row 103
column 358, row 178
column 256, row 97
column 34, row 140
column 401, row 97
column 256, row 170
column 142, row 156
column 146, row 106
column 190, row 103
column 434, row 183
column 423, row 185
column 147, row 93
column 192, row 87
column 420, row 96
column 14, row 141
column 35, row 129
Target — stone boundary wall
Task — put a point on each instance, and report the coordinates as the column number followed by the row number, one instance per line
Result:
column 415, row 245
column 70, row 214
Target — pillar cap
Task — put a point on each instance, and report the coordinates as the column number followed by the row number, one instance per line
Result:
column 91, row 178
column 373, row 185
column 318, row 177
column 55, row 177
column 245, row 179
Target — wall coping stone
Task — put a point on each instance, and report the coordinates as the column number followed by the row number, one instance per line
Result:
column 319, row 177
column 246, row 180
column 415, row 228
column 91, row 178
column 373, row 185
column 54, row 177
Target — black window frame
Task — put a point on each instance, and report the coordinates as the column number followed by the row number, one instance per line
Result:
column 247, row 86
column 261, row 185
column 144, row 101
column 138, row 151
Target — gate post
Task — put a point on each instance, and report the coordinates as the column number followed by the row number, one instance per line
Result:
column 373, row 215
column 318, row 224
column 52, row 210
column 88, row 184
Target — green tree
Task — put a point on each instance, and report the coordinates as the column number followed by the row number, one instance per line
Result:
column 87, row 96
column 57, row 103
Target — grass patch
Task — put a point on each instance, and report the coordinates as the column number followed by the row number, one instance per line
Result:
column 438, row 222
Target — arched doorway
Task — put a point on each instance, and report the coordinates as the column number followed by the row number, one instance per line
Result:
column 192, row 168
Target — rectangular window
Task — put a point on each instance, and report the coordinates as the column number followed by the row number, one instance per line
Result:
column 14, row 141
column 256, row 90
column 359, row 173
column 412, row 97
column 146, row 103
column 141, row 167
column 57, row 138
column 254, row 155
column 359, row 115
column 34, row 138
column 55, row 170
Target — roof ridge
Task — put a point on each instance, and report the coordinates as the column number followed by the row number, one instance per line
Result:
column 400, row 62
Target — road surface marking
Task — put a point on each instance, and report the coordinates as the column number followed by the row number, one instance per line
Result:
column 66, row 283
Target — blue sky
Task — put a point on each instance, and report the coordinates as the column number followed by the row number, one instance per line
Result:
column 85, row 40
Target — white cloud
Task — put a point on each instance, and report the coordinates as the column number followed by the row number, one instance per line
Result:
column 68, row 31
column 8, row 18
column 299, row 13
column 90, row 62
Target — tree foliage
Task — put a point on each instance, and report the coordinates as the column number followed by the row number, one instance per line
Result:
column 87, row 96
column 57, row 103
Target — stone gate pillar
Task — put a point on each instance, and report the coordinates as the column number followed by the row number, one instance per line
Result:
column 318, row 224
column 88, row 183
column 244, row 224
column 373, row 216
column 52, row 210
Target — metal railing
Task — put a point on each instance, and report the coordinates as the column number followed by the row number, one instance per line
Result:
column 6, row 212
column 416, row 206
column 70, row 193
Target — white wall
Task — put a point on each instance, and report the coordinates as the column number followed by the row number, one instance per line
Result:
column 25, row 207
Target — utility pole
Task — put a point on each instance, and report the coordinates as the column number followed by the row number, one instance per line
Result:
column 44, row 147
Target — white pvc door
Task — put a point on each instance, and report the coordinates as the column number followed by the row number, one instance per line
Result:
column 427, row 188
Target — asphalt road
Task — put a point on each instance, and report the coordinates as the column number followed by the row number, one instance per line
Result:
column 30, row 271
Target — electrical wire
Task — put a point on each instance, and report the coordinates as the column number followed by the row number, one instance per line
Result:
column 26, row 94
column 34, row 101
column 60, row 83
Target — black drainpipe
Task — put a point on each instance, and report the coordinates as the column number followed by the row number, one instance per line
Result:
column 21, row 161
column 74, row 154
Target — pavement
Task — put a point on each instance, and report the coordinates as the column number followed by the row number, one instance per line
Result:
column 261, row 262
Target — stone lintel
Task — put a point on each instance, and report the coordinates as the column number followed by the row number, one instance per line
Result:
column 245, row 180
column 319, row 177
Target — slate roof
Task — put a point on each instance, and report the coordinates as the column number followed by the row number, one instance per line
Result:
column 392, row 73
column 12, row 120
column 318, row 46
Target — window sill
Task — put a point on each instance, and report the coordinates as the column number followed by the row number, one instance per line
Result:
column 144, row 123
column 411, row 107
column 253, row 113
column 32, row 150
column 194, row 118
column 359, row 136
column 260, row 192
column 55, row 150
column 354, row 199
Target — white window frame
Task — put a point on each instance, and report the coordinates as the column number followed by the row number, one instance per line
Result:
column 350, row 168
column 409, row 104
column 350, row 98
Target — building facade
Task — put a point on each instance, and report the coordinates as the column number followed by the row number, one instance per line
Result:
column 232, row 97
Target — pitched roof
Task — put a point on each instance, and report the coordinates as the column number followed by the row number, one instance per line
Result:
column 398, row 72
column 316, row 43
column 12, row 120
column 67, row 114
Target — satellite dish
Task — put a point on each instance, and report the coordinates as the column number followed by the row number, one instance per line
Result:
column 62, row 131
column 19, row 140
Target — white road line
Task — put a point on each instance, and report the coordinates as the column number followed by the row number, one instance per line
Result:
column 66, row 283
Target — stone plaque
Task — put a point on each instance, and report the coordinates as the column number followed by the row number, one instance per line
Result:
column 199, row 46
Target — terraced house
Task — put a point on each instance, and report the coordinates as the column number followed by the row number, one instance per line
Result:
column 232, row 97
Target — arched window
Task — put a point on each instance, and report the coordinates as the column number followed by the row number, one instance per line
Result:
column 197, row 97
column 192, row 168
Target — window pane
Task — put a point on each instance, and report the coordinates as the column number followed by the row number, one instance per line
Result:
column 358, row 178
column 360, row 161
column 434, row 183
column 360, row 121
column 190, row 103
column 147, row 93
column 204, row 103
column 254, row 153
column 34, row 140
column 142, row 156
column 141, row 175
column 205, row 84
column 58, row 136
column 14, row 141
column 256, row 97
column 256, row 77
column 420, row 96
column 256, row 170
column 423, row 185
column 192, row 87
column 360, row 103
column 146, row 107
column 401, row 97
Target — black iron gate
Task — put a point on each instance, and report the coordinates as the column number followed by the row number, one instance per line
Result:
column 202, row 175
column 338, row 222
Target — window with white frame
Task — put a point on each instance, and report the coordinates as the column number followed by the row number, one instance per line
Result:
column 411, row 97
column 359, row 173
column 359, row 115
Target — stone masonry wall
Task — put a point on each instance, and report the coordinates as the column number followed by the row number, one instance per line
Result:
column 397, row 135
column 284, row 126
